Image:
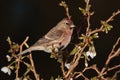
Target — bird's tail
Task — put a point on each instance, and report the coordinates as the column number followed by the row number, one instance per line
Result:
column 33, row 48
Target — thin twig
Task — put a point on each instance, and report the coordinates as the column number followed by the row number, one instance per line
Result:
column 108, row 20
column 117, row 66
column 18, row 59
column 62, row 68
column 24, row 43
column 114, row 46
column 88, row 16
column 80, row 74
column 116, row 53
column 30, row 57
column 115, row 75
column 33, row 67
column 112, row 68
column 67, row 13
column 113, row 15
column 72, row 67
column 111, row 56
column 93, row 67
column 80, row 52
column 63, row 4
column 18, row 67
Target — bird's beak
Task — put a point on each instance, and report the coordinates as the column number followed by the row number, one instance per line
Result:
column 72, row 26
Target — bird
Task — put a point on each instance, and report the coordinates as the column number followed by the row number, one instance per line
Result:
column 57, row 38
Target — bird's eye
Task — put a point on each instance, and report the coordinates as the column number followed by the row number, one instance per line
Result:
column 67, row 23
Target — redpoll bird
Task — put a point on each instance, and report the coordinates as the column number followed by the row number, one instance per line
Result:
column 57, row 38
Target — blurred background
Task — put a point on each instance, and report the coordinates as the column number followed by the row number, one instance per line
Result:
column 34, row 18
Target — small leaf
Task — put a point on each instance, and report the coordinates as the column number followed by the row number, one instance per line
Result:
column 11, row 67
column 88, row 8
column 10, row 50
column 58, row 78
column 91, row 37
column 83, row 11
column 94, row 78
column 95, row 35
column 59, row 60
column 92, row 13
column 82, row 37
column 52, row 78
column 63, row 4
column 52, row 55
column 9, row 40
column 74, row 51
column 107, row 27
column 16, row 47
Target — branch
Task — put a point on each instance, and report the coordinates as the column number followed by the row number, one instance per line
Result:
column 88, row 15
column 74, row 64
column 63, row 4
column 111, row 56
column 62, row 68
column 112, row 68
column 114, row 46
column 24, row 43
column 85, row 69
column 108, row 20
column 79, row 53
column 18, row 60
column 33, row 67
column 30, row 57
column 81, row 74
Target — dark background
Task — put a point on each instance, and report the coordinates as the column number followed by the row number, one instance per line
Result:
column 34, row 18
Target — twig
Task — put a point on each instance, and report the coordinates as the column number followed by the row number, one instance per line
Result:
column 63, row 4
column 115, row 54
column 24, row 43
column 112, row 68
column 30, row 57
column 108, row 20
column 62, row 68
column 33, row 67
column 85, row 69
column 18, row 67
column 88, row 33
column 80, row 74
column 18, row 60
column 115, row 75
column 79, row 53
column 88, row 16
column 72, row 67
column 67, row 13
column 91, row 67
column 113, row 15
column 114, row 46
column 111, row 56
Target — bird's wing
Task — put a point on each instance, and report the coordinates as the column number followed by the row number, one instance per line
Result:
column 54, row 34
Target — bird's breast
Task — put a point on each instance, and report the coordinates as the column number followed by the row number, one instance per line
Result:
column 67, row 39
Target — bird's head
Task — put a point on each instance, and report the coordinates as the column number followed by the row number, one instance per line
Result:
column 67, row 23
